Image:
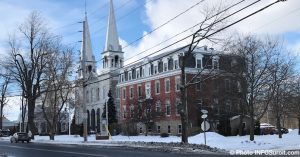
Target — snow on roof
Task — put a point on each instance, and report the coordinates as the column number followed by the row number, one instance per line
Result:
column 265, row 125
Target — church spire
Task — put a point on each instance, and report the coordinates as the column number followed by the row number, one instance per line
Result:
column 112, row 38
column 86, row 52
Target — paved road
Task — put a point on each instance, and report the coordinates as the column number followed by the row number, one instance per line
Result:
column 50, row 150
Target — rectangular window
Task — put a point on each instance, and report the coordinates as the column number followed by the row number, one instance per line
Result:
column 158, row 107
column 124, row 93
column 155, row 69
column 199, row 63
column 169, row 129
column 129, row 76
column 122, row 77
column 179, row 129
column 148, row 90
column 124, row 112
column 139, row 90
column 177, row 83
column 167, row 85
column 165, row 66
column 137, row 73
column 98, row 94
column 131, row 92
column 158, row 129
column 168, row 109
column 157, row 87
column 143, row 72
column 176, row 64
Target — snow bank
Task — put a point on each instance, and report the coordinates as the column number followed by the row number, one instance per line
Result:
column 289, row 141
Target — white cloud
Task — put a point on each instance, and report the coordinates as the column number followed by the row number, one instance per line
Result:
column 276, row 20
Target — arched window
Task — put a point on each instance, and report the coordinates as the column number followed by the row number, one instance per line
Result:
column 116, row 61
column 98, row 120
column 93, row 121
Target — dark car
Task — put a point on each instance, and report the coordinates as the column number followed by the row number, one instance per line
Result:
column 20, row 136
column 284, row 130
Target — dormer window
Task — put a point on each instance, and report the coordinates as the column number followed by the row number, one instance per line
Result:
column 199, row 63
column 129, row 75
column 165, row 66
column 176, row 64
column 170, row 64
column 215, row 63
column 199, row 58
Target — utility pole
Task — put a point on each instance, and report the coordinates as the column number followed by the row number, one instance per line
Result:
column 84, row 70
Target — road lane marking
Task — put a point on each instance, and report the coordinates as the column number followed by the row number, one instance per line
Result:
column 58, row 151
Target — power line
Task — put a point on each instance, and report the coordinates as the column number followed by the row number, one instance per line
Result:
column 155, row 29
column 249, row 15
column 205, row 27
column 197, row 41
column 186, row 30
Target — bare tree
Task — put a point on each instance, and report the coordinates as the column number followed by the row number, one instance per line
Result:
column 56, row 87
column 5, row 80
column 28, row 59
column 258, row 55
column 294, row 99
column 280, row 71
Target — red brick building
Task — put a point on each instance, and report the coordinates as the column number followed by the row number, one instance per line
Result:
column 150, row 92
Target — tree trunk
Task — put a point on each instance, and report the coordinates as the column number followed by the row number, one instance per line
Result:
column 184, row 136
column 251, row 122
column 31, row 125
column 278, row 126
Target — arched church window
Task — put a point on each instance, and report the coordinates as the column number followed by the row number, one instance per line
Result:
column 116, row 61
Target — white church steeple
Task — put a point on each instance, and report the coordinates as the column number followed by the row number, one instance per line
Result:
column 112, row 38
column 87, row 57
column 112, row 55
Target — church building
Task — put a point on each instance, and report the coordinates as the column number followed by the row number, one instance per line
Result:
column 97, row 85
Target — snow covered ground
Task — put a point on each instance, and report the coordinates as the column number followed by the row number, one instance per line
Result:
column 289, row 141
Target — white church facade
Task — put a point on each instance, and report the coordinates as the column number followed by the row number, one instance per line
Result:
column 97, row 84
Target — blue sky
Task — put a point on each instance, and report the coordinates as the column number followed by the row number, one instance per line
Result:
column 136, row 17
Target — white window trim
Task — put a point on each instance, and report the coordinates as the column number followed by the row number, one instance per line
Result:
column 157, row 93
column 168, row 103
column 138, row 90
column 167, row 79
column 124, row 93
column 131, row 92
column 177, row 77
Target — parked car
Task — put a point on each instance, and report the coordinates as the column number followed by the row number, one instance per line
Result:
column 267, row 129
column 20, row 136
column 283, row 131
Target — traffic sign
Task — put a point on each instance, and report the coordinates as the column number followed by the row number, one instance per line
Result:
column 204, row 116
column 204, row 111
column 205, row 126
